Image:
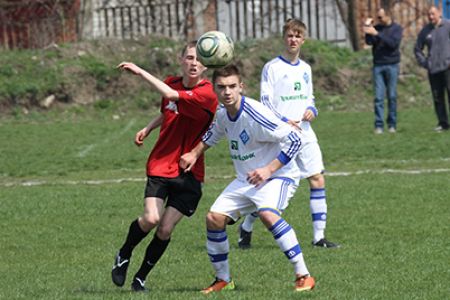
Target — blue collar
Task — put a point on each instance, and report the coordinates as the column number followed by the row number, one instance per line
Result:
column 241, row 108
column 288, row 62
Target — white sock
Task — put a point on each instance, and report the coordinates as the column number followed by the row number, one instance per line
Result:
column 287, row 241
column 247, row 225
column 318, row 207
column 218, row 247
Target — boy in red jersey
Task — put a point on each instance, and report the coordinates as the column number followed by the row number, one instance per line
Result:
column 187, row 109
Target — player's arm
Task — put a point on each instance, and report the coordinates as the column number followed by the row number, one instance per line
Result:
column 144, row 132
column 188, row 160
column 311, row 111
column 260, row 175
column 289, row 144
column 160, row 86
column 211, row 137
column 266, row 92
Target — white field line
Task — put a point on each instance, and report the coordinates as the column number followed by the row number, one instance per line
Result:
column 142, row 179
column 85, row 151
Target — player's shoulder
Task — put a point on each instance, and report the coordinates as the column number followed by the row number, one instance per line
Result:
column 205, row 83
column 221, row 111
column 304, row 65
column 251, row 105
column 273, row 62
column 171, row 80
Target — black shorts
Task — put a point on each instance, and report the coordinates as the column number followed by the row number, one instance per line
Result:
column 182, row 192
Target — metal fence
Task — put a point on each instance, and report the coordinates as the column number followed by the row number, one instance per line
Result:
column 243, row 19
column 240, row 19
column 129, row 19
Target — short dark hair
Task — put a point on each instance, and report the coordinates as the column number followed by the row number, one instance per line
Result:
column 226, row 71
column 187, row 46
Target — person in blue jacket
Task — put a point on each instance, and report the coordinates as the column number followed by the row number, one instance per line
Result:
column 385, row 38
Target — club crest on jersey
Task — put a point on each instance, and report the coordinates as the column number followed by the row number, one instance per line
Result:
column 244, row 137
column 172, row 105
column 306, row 77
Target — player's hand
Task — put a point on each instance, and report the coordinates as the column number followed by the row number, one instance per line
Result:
column 187, row 161
column 258, row 176
column 128, row 66
column 140, row 136
column 295, row 124
column 308, row 115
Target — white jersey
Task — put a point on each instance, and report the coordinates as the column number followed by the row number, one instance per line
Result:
column 287, row 90
column 256, row 137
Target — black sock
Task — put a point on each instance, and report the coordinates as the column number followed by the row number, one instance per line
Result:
column 153, row 253
column 134, row 237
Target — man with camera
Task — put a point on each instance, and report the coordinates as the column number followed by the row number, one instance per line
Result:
column 385, row 38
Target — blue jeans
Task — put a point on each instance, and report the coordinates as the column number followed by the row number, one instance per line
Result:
column 385, row 79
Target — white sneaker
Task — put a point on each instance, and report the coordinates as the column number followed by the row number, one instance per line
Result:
column 392, row 130
column 378, row 130
column 438, row 129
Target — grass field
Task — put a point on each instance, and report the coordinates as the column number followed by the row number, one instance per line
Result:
column 69, row 189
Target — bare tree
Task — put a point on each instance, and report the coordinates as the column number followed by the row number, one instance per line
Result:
column 348, row 12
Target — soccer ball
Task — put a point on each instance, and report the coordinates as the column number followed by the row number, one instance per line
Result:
column 215, row 49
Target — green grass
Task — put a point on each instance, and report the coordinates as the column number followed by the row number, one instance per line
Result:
column 58, row 238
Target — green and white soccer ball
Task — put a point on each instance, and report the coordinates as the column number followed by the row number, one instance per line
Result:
column 215, row 49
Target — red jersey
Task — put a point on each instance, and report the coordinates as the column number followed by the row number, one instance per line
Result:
column 185, row 121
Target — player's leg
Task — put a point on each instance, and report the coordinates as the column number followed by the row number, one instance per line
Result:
column 311, row 167
column 184, row 193
column 226, row 209
column 270, row 199
column 286, row 239
column 218, row 247
column 318, row 207
column 245, row 230
column 157, row 246
column 138, row 230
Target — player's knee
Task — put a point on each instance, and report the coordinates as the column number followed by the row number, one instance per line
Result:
column 150, row 220
column 317, row 181
column 268, row 217
column 215, row 221
column 164, row 232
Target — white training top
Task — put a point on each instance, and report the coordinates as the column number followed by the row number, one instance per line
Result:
column 256, row 137
column 287, row 90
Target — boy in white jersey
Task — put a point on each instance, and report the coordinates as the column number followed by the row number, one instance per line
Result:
column 261, row 147
column 286, row 88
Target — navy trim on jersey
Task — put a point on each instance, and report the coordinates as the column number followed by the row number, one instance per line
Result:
column 314, row 110
column 265, row 100
column 259, row 118
column 295, row 145
column 288, row 62
column 283, row 158
column 241, row 108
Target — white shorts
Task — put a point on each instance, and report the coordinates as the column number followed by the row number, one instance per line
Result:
column 241, row 198
column 309, row 160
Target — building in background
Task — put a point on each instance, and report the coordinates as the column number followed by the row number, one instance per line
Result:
column 39, row 23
